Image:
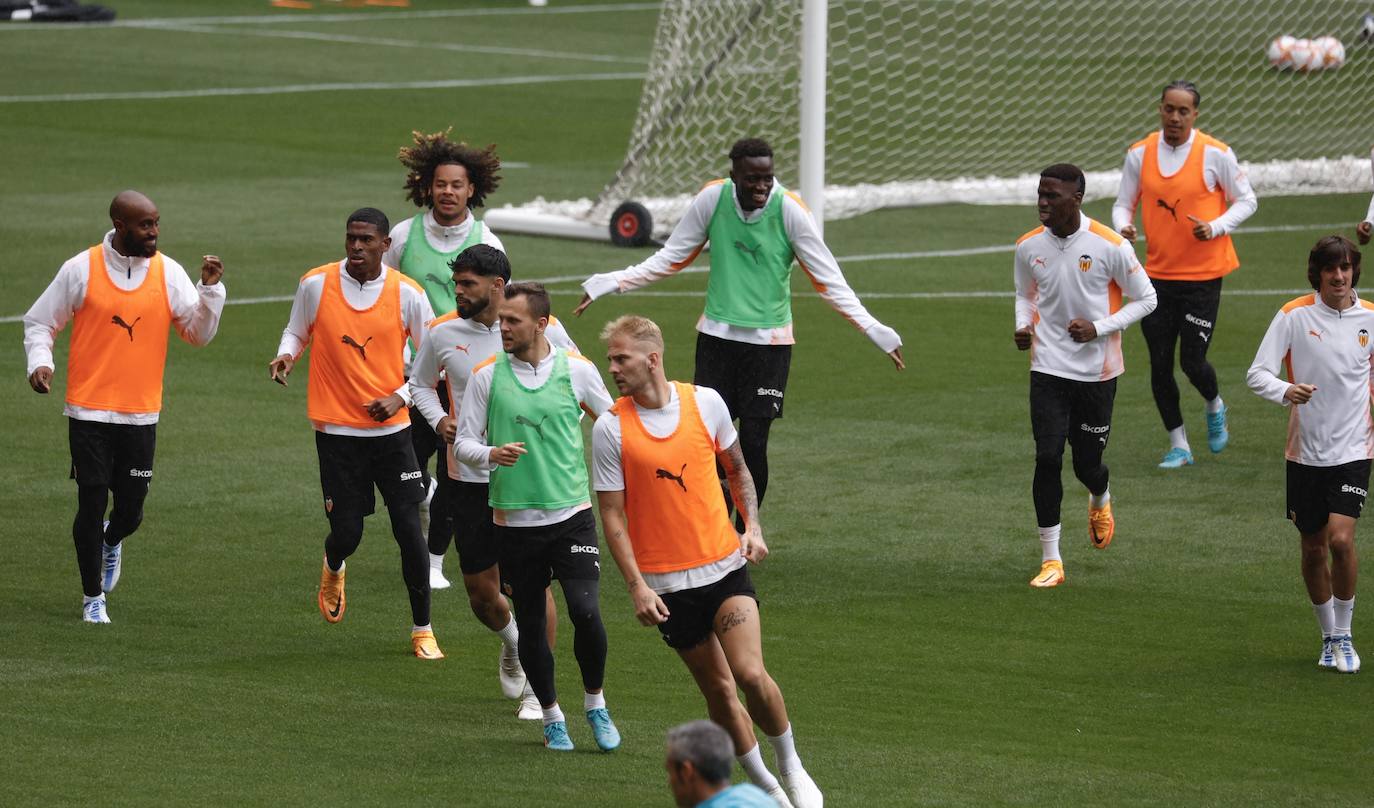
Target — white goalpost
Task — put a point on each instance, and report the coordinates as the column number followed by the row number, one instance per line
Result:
column 872, row 104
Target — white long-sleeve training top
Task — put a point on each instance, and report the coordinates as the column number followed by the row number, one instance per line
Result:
column 471, row 446
column 1083, row 277
column 1312, row 343
column 196, row 310
column 456, row 346
column 1219, row 169
column 815, row 258
column 415, row 312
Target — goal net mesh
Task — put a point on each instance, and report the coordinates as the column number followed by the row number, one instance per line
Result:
column 933, row 101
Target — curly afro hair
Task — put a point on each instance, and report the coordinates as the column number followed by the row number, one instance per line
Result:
column 434, row 150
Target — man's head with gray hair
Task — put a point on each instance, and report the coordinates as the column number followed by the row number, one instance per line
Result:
column 700, row 756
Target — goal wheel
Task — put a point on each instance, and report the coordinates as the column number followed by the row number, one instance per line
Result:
column 631, row 225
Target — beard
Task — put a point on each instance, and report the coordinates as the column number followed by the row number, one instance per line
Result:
column 468, row 310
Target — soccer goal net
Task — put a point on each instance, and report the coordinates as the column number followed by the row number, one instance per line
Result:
column 934, row 101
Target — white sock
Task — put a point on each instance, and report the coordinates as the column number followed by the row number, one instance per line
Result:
column 1326, row 617
column 1178, row 439
column 755, row 770
column 552, row 714
column 425, row 627
column 1215, row 405
column 436, row 562
column 1095, row 501
column 1049, row 544
column 510, row 635
column 593, row 701
column 786, row 751
column 86, row 599
column 1343, row 611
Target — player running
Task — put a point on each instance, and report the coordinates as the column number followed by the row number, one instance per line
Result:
column 120, row 296
column 756, row 229
column 1192, row 193
column 1070, row 275
column 356, row 315
column 1322, row 341
column 654, row 460
column 448, row 179
column 520, row 418
column 456, row 343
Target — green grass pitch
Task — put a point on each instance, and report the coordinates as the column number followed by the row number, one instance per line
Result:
column 1177, row 667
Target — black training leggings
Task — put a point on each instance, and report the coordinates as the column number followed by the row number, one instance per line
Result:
column 1079, row 413
column 88, row 528
column 345, row 533
column 1186, row 316
column 589, row 637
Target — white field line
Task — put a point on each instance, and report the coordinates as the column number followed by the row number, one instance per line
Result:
column 854, row 259
column 969, row 295
column 458, row 47
column 437, row 84
column 291, row 19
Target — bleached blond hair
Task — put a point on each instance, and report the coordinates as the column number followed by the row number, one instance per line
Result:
column 637, row 328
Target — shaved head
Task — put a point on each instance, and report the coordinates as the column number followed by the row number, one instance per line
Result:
column 127, row 204
column 135, row 220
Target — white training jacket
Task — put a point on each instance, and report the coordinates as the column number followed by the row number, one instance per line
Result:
column 1080, row 277
column 1312, row 343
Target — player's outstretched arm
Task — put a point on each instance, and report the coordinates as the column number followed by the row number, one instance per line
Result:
column 681, row 249
column 746, row 502
column 649, row 607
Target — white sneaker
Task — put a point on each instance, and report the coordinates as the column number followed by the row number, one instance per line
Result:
column 424, row 510
column 512, row 675
column 530, row 709
column 1347, row 661
column 93, row 611
column 802, row 789
column 779, row 796
column 1328, row 657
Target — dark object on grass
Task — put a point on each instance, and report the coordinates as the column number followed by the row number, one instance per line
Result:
column 53, row 11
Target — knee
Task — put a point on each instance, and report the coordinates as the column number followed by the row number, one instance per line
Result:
column 1314, row 550
column 1342, row 543
column 1049, row 454
column 346, row 531
column 1193, row 365
column 751, row 677
column 481, row 605
column 720, row 693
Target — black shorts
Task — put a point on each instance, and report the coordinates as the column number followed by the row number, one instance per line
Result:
column 350, row 466
column 1186, row 311
column 750, row 378
column 478, row 547
column 692, row 612
column 1315, row 492
column 531, row 557
column 1079, row 411
column 118, row 456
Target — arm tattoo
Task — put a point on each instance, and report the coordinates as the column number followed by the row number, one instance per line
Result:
column 741, row 484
